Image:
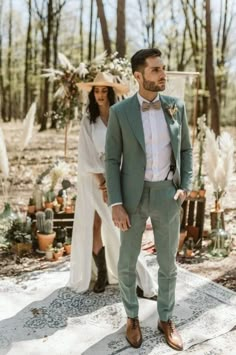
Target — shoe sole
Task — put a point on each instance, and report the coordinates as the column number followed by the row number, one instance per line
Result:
column 172, row 346
column 102, row 290
column 135, row 346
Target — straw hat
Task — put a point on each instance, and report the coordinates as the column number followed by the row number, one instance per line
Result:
column 104, row 79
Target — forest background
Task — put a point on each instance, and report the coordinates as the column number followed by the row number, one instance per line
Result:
column 193, row 35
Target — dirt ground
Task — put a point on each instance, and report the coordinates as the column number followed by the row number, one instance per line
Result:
column 45, row 147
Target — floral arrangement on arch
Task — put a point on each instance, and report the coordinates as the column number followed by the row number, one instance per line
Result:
column 66, row 77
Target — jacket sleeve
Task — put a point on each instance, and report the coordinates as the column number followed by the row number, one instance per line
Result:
column 113, row 154
column 185, row 154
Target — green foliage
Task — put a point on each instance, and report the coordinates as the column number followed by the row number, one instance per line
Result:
column 20, row 231
column 49, row 196
column 7, row 212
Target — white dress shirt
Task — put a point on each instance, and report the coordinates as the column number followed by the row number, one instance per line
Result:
column 157, row 143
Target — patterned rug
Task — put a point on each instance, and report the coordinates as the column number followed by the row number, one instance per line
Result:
column 39, row 315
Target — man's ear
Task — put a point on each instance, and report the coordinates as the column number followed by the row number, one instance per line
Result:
column 137, row 75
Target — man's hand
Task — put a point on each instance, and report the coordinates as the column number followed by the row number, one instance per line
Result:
column 180, row 194
column 120, row 218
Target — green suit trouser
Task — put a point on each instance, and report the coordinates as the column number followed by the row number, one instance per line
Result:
column 157, row 202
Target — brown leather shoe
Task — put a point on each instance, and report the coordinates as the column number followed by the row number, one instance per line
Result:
column 133, row 332
column 173, row 338
column 140, row 294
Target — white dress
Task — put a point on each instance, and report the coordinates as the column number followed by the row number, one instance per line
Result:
column 89, row 199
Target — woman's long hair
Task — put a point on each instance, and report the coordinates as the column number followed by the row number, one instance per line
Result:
column 93, row 108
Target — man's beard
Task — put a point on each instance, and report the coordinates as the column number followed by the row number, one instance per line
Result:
column 151, row 86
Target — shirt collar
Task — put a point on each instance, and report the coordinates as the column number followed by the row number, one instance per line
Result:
column 142, row 99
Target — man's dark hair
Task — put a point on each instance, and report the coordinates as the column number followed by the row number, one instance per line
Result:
column 138, row 60
column 93, row 108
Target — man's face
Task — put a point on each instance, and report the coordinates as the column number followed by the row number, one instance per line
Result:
column 153, row 77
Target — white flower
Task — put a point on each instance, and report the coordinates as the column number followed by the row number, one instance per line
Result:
column 61, row 92
column 82, row 70
column 60, row 169
column 100, row 59
column 65, row 63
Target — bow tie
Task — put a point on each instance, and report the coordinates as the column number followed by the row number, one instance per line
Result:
column 156, row 105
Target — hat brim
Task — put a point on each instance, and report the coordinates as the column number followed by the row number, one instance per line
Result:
column 119, row 89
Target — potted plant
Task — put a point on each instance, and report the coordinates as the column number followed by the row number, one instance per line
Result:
column 194, row 191
column 59, row 169
column 49, row 198
column 44, row 226
column 19, row 235
column 31, row 206
column 73, row 202
column 202, row 191
column 49, row 252
column 67, row 246
column 58, row 251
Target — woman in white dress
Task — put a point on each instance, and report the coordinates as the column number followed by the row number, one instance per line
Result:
column 93, row 230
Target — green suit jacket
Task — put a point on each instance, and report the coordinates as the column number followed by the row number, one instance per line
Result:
column 125, row 157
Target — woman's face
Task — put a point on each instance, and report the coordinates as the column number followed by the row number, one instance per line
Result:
column 101, row 95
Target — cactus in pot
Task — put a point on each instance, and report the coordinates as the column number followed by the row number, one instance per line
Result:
column 44, row 225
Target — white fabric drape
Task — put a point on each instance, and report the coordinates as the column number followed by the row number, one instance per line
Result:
column 91, row 152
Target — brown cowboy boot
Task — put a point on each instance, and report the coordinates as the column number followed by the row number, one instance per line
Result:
column 133, row 332
column 173, row 338
column 102, row 279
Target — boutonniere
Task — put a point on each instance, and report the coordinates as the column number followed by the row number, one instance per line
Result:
column 172, row 110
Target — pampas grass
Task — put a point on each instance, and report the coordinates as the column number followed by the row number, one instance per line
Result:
column 219, row 163
column 28, row 126
column 4, row 166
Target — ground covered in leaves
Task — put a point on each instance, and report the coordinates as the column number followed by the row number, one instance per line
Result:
column 45, row 147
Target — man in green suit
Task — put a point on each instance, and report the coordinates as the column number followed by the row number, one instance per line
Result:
column 148, row 172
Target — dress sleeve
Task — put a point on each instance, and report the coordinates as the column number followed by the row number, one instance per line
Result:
column 88, row 157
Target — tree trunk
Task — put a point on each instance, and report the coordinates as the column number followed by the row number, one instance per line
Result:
column 2, row 88
column 47, row 43
column 90, row 32
column 95, row 37
column 9, row 65
column 28, row 61
column 81, row 39
column 121, row 29
column 210, row 74
column 153, row 22
column 103, row 21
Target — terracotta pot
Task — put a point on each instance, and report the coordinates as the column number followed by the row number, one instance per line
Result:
column 67, row 248
column 193, row 194
column 48, row 205
column 59, row 254
column 31, row 209
column 60, row 200
column 45, row 240
column 202, row 193
column 189, row 253
column 68, row 209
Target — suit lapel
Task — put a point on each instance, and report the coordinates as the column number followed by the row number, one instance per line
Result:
column 172, row 124
column 135, row 120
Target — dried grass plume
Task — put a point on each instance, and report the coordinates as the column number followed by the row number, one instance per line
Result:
column 219, row 164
